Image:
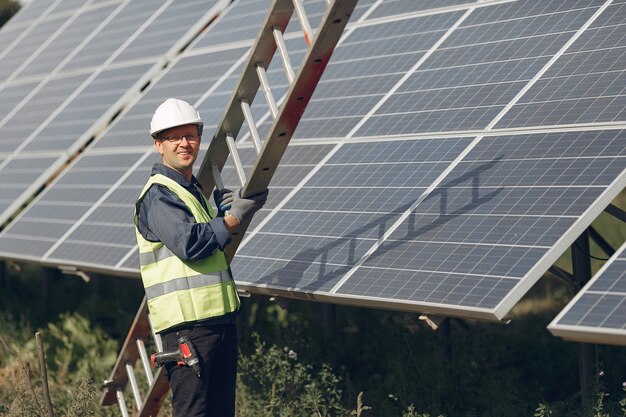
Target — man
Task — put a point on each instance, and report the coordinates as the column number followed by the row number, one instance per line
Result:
column 185, row 273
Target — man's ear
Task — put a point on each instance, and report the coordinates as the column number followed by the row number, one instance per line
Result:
column 158, row 145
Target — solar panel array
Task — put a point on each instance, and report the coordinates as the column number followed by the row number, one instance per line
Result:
column 596, row 314
column 451, row 152
column 68, row 67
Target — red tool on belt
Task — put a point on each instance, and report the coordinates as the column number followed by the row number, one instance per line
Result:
column 185, row 355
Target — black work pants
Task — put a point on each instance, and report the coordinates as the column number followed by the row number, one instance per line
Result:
column 213, row 394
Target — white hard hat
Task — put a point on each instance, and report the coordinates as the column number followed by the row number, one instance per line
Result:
column 174, row 112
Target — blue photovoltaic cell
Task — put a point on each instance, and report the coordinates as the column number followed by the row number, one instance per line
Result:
column 27, row 13
column 114, row 34
column 244, row 21
column 84, row 24
column 598, row 313
column 166, row 30
column 341, row 211
column 241, row 23
column 23, row 123
column 29, row 45
column 73, row 102
column 468, row 244
column 364, row 68
column 69, row 6
column 88, row 106
column 586, row 84
column 474, row 74
column 493, row 218
column 18, row 174
column 188, row 79
column 394, row 7
column 13, row 94
column 8, row 35
column 76, row 191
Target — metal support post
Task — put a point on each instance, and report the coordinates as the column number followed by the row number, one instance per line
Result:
column 581, row 266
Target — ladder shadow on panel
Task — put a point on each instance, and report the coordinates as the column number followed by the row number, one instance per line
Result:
column 294, row 270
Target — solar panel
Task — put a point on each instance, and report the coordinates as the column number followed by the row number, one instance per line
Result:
column 28, row 12
column 18, row 26
column 365, row 226
column 477, row 70
column 123, row 28
column 586, row 85
column 29, row 46
column 598, row 312
column 401, row 189
column 56, row 104
column 75, row 32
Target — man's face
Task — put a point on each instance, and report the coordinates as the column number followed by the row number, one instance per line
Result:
column 179, row 147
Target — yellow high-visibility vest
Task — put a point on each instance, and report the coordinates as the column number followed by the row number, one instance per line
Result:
column 183, row 291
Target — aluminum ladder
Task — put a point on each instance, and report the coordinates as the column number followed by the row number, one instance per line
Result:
column 302, row 84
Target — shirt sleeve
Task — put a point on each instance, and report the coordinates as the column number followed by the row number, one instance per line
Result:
column 164, row 217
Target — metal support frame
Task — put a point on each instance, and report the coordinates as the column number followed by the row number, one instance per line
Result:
column 581, row 266
column 601, row 241
column 616, row 212
column 562, row 274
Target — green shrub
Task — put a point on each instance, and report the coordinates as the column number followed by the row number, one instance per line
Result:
column 78, row 357
column 275, row 382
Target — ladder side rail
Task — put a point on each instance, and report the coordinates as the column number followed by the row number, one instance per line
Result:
column 129, row 353
column 292, row 109
column 156, row 394
column 248, row 84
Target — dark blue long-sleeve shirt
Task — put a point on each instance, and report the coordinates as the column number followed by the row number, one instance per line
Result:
column 164, row 217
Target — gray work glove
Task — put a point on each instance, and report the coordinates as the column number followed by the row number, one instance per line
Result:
column 218, row 197
column 240, row 207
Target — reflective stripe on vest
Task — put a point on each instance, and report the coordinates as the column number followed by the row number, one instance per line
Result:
column 183, row 291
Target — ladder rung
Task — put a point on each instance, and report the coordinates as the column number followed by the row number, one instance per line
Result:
column 236, row 160
column 304, row 21
column 121, row 402
column 141, row 347
column 267, row 91
column 280, row 43
column 133, row 384
column 247, row 114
